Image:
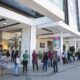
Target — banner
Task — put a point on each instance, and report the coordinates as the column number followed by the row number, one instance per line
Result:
column 56, row 42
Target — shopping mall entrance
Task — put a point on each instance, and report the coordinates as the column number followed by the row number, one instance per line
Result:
column 10, row 35
column 11, row 40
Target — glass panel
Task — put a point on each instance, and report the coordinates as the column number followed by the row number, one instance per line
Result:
column 58, row 3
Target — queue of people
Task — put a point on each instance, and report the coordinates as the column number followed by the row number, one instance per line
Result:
column 49, row 59
column 68, row 57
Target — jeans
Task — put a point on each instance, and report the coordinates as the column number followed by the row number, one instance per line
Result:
column 16, row 69
column 25, row 63
column 45, row 65
column 55, row 66
column 49, row 62
column 35, row 63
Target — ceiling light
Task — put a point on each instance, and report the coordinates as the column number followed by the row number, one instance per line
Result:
column 4, row 22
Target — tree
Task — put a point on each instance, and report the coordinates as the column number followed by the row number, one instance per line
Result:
column 14, row 42
column 72, row 49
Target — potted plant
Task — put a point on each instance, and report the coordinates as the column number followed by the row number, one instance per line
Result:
column 72, row 50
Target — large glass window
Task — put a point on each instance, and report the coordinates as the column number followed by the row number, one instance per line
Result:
column 58, row 3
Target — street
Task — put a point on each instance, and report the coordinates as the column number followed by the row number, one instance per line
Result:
column 69, row 71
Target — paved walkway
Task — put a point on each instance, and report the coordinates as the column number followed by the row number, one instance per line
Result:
column 66, row 72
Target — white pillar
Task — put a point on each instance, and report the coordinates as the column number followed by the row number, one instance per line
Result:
column 25, row 41
column 28, row 41
column 61, row 47
column 75, row 44
column 61, row 44
column 32, row 41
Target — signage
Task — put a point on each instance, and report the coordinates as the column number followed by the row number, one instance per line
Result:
column 56, row 42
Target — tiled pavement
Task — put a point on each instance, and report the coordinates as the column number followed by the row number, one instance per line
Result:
column 66, row 72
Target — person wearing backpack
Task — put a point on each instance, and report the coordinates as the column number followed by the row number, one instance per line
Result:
column 25, row 61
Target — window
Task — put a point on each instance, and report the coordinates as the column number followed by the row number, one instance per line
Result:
column 42, row 45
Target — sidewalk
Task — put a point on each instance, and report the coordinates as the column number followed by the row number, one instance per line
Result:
column 40, row 75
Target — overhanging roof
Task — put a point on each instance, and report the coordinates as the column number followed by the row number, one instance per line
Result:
column 20, row 8
column 58, row 27
column 44, row 7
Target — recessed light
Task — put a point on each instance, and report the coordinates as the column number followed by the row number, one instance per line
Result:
column 4, row 22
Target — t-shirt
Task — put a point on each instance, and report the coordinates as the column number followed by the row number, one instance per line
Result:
column 25, row 57
column 34, row 57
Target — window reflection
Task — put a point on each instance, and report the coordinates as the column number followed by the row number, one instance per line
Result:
column 58, row 3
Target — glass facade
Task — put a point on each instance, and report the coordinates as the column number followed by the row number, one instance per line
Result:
column 77, row 2
column 78, row 14
column 58, row 3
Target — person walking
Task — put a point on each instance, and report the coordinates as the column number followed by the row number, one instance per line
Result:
column 35, row 60
column 45, row 61
column 55, row 62
column 25, row 61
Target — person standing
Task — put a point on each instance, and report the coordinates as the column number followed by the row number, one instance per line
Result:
column 35, row 60
column 63, row 58
column 25, row 60
column 50, row 57
column 8, row 54
column 55, row 62
column 73, row 55
column 65, row 53
column 69, row 54
column 0, row 54
column 12, row 56
column 45, row 60
column 16, row 63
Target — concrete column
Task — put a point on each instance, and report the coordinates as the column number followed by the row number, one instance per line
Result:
column 28, row 41
column 61, row 43
column 32, row 41
column 25, row 41
column 0, row 37
column 75, row 44
column 61, row 47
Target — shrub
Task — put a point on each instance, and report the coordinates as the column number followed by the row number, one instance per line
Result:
column 72, row 49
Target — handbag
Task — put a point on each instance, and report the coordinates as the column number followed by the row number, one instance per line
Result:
column 18, row 61
column 22, row 62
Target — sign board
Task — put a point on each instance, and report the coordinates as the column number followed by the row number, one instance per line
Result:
column 56, row 42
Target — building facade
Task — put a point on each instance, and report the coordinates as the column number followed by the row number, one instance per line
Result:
column 43, row 24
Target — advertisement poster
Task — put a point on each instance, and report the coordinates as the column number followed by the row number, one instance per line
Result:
column 56, row 42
